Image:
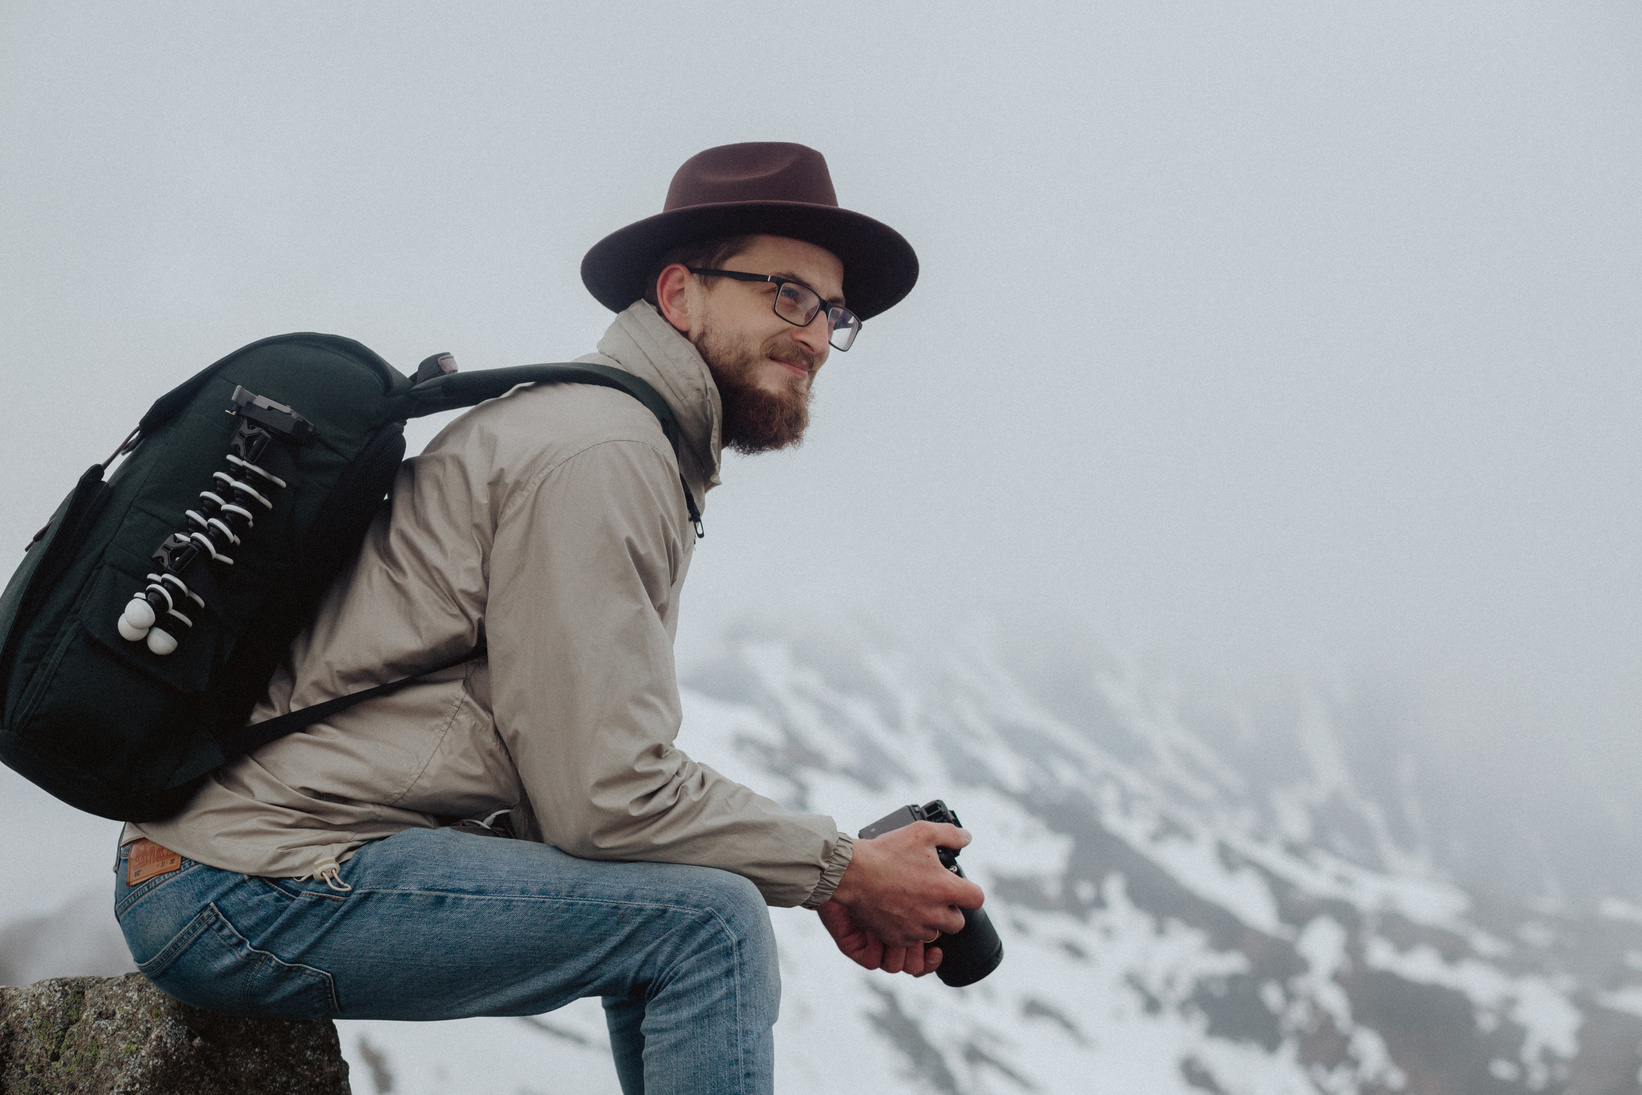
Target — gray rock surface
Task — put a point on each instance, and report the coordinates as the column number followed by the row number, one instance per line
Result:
column 123, row 1036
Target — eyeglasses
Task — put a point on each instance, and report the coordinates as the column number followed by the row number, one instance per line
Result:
column 798, row 304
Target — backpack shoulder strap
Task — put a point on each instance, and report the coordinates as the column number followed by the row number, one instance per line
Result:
column 452, row 390
column 253, row 736
column 443, row 393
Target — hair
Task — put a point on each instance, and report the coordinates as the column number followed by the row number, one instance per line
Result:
column 709, row 254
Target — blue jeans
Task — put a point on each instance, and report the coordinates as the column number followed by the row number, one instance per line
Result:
column 445, row 925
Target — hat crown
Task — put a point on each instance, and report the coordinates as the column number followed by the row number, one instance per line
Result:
column 758, row 171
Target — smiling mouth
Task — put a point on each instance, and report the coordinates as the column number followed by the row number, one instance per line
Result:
column 799, row 370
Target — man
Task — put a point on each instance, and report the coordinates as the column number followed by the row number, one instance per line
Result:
column 323, row 875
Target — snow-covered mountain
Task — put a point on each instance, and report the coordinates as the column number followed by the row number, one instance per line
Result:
column 1194, row 896
column 1175, row 918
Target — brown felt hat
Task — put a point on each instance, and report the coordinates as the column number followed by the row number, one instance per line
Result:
column 767, row 188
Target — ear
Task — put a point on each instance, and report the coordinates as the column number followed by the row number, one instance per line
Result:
column 673, row 298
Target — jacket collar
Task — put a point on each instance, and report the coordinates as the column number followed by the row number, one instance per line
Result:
column 642, row 343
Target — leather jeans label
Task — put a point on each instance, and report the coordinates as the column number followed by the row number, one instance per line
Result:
column 149, row 860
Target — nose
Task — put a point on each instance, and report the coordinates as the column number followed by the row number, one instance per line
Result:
column 814, row 334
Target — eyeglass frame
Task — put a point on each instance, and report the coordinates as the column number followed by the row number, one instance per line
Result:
column 822, row 304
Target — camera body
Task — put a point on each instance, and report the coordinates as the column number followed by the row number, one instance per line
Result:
column 970, row 954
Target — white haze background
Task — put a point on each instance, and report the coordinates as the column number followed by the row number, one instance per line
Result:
column 1260, row 342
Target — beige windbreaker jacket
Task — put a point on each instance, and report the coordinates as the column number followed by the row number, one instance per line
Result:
column 549, row 523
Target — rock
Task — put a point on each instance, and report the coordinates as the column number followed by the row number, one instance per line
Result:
column 123, row 1036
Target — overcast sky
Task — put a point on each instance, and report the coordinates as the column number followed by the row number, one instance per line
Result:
column 1248, row 332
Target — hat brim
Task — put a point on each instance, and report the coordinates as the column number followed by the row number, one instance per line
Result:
column 880, row 267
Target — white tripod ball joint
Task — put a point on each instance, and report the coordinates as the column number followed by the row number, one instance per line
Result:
column 136, row 620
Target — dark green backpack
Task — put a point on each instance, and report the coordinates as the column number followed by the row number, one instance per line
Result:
column 150, row 613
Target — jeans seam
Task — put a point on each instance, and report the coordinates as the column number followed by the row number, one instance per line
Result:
column 747, row 1081
column 297, row 895
column 743, row 1052
column 540, row 898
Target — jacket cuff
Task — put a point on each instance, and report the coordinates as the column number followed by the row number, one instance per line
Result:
column 833, row 873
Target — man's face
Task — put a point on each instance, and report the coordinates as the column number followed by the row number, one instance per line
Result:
column 763, row 365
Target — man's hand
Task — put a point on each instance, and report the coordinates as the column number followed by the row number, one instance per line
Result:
column 867, row 950
column 896, row 896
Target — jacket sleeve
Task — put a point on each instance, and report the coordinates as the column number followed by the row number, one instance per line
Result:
column 584, row 566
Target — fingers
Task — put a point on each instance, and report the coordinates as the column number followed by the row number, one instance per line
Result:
column 856, row 943
column 967, row 895
column 964, row 893
column 941, row 835
column 917, row 960
column 864, row 950
column 955, row 894
column 869, row 952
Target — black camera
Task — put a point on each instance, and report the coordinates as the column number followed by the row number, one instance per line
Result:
column 974, row 952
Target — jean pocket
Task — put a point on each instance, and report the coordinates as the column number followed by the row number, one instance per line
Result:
column 210, row 965
column 126, row 896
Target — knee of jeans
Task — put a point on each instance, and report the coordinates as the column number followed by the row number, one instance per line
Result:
column 739, row 904
column 741, row 908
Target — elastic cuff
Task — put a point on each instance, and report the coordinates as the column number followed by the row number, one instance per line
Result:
column 834, row 872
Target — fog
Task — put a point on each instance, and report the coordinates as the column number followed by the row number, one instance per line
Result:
column 1257, row 338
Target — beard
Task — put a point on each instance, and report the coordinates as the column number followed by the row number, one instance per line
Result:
column 756, row 419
